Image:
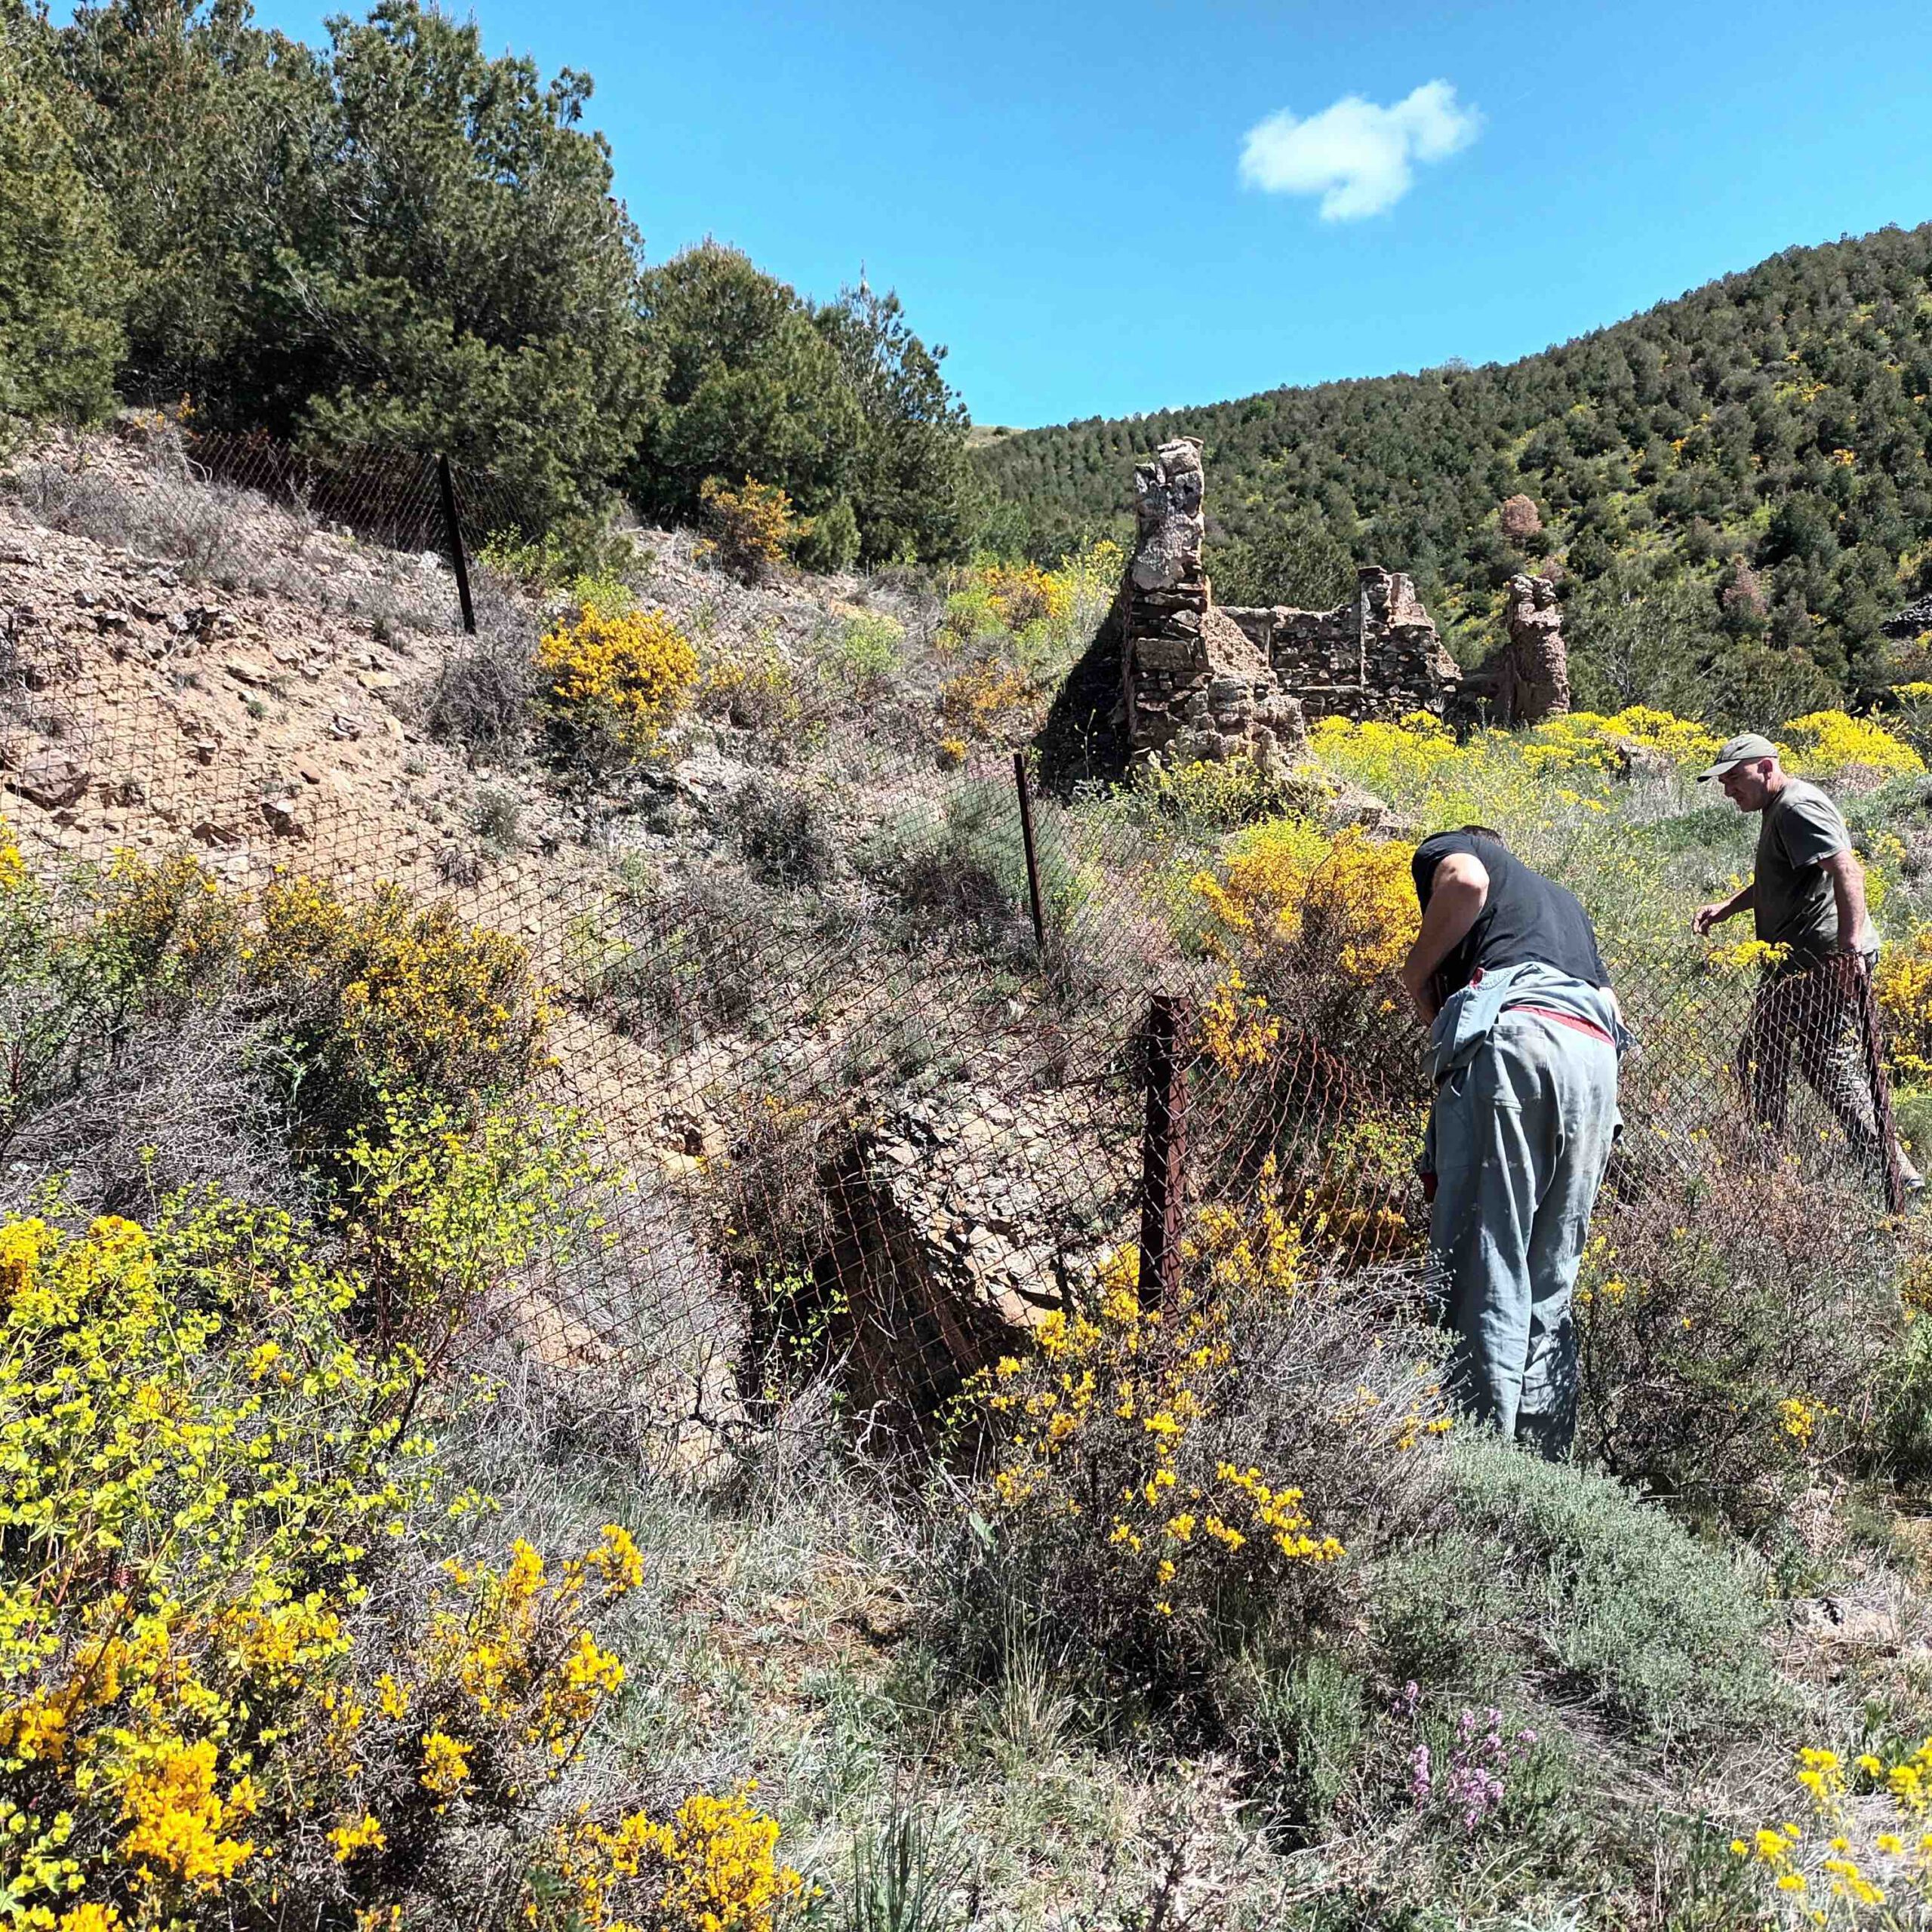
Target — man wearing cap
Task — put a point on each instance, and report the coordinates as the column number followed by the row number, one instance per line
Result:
column 1807, row 895
column 1524, row 1036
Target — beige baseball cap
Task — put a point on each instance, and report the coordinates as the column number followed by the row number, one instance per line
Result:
column 1745, row 748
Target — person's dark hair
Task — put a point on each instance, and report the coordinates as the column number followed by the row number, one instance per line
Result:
column 1484, row 831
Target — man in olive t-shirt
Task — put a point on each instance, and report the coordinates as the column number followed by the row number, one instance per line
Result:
column 1806, row 894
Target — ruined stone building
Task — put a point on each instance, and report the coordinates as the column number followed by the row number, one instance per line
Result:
column 1202, row 680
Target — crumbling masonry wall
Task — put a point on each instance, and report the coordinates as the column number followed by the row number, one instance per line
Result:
column 1195, row 685
column 1377, row 656
column 1206, row 680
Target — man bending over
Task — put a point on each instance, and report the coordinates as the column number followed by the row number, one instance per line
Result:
column 1523, row 1042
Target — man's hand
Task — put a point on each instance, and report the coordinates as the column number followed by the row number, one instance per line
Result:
column 1705, row 917
column 1420, row 989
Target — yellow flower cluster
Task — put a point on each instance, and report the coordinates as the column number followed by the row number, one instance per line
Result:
column 1901, row 982
column 712, row 1867
column 996, row 595
column 1110, row 1433
column 978, row 698
column 615, row 679
column 1798, row 1417
column 12, row 867
column 1284, row 893
column 993, row 597
column 1238, row 1033
column 1823, row 743
column 397, row 994
column 1588, row 741
column 1835, row 1891
column 198, row 1474
column 753, row 526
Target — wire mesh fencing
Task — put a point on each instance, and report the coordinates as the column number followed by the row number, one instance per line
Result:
column 884, row 1057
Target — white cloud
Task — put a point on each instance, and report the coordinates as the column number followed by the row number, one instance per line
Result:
column 1360, row 158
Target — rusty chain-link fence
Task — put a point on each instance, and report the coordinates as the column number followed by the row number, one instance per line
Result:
column 884, row 1055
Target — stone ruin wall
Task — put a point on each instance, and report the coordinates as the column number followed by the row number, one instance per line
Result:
column 1195, row 685
column 1201, row 680
column 1377, row 656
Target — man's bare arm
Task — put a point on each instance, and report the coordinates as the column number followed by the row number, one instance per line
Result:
column 1742, row 900
column 1458, row 893
column 1848, row 877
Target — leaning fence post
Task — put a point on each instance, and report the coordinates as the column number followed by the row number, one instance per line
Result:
column 1882, row 1090
column 1024, row 787
column 1164, row 1155
column 454, row 530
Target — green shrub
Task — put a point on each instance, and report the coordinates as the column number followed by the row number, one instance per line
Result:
column 785, row 832
column 1661, row 1633
column 968, row 869
column 828, row 542
column 1720, row 1372
column 1902, row 1434
column 865, row 656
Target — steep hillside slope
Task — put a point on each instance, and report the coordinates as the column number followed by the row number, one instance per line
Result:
column 1736, row 484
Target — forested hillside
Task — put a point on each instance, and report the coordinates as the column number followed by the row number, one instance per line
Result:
column 1735, row 485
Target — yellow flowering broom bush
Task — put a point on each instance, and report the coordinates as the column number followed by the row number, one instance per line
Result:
column 1826, row 744
column 386, row 996
column 215, row 1704
column 1902, row 981
column 1843, row 1867
column 1163, row 1487
column 712, row 1866
column 613, row 680
column 1316, row 928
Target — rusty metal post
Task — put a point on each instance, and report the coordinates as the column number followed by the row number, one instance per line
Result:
column 1875, row 1074
column 1164, row 1158
column 454, row 530
column 1024, row 786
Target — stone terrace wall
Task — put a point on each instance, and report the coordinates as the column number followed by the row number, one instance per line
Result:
column 1377, row 656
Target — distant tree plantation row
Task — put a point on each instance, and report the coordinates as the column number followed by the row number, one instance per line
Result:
column 397, row 239
column 1734, row 487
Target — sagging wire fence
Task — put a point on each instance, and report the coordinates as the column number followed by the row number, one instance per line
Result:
column 882, row 1062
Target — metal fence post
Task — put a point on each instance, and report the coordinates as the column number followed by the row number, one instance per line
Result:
column 454, row 530
column 1881, row 1090
column 1024, row 787
column 1164, row 1157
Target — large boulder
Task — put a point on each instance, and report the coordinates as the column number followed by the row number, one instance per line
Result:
column 957, row 1224
column 52, row 779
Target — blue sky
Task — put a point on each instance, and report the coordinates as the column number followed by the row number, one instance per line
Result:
column 1057, row 190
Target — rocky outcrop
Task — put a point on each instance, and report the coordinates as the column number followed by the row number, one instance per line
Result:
column 951, row 1230
column 1534, row 678
column 1914, row 621
column 1196, row 686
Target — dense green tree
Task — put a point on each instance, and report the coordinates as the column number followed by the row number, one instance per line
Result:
column 401, row 239
column 62, row 278
column 839, row 405
column 750, row 388
column 915, row 492
column 1293, row 560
